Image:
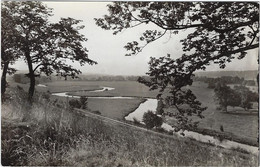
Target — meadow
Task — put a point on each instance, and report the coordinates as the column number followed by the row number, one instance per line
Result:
column 51, row 133
column 241, row 125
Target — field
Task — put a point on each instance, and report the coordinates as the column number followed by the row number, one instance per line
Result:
column 54, row 135
column 114, row 108
column 243, row 125
column 122, row 88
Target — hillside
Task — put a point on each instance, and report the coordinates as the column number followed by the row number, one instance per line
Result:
column 52, row 135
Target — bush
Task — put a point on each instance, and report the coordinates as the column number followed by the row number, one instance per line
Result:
column 74, row 103
column 152, row 120
column 84, row 102
column 221, row 128
column 81, row 103
column 160, row 106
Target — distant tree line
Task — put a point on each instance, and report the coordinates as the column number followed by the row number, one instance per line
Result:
column 226, row 79
column 109, row 78
column 23, row 79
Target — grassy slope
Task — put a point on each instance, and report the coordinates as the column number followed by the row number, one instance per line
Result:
column 243, row 125
column 55, row 136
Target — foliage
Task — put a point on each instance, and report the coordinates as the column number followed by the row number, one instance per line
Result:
column 84, row 102
column 246, row 96
column 219, row 32
column 226, row 96
column 72, row 139
column 227, row 79
column 81, row 103
column 221, row 128
column 160, row 107
column 46, row 46
column 9, row 51
column 74, row 103
column 152, row 120
column 239, row 96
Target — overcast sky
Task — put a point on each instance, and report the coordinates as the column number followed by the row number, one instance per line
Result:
column 108, row 51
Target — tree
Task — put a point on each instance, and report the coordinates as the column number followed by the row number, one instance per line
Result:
column 246, row 96
column 152, row 120
column 160, row 107
column 47, row 46
column 219, row 32
column 9, row 50
column 226, row 96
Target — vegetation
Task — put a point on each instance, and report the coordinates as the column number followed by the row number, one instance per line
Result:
column 241, row 124
column 226, row 96
column 239, row 96
column 227, row 79
column 44, row 46
column 58, row 136
column 246, row 96
column 151, row 120
column 82, row 103
column 9, row 51
column 219, row 32
column 160, row 107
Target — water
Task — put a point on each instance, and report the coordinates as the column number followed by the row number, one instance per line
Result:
column 103, row 89
column 41, row 85
column 65, row 94
column 151, row 104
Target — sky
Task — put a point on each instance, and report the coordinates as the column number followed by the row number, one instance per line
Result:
column 107, row 49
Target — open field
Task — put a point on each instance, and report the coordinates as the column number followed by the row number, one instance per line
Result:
column 122, row 88
column 243, row 125
column 114, row 108
column 58, row 136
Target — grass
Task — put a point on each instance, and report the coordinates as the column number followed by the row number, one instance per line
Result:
column 244, row 126
column 114, row 108
column 48, row 133
column 122, row 88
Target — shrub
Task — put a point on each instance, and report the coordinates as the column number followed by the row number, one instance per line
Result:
column 160, row 106
column 84, row 102
column 74, row 103
column 152, row 120
column 81, row 103
column 221, row 128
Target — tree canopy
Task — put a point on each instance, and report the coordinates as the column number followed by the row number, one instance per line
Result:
column 47, row 47
column 219, row 33
column 9, row 51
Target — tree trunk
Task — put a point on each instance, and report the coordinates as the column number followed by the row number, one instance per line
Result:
column 31, row 76
column 3, row 79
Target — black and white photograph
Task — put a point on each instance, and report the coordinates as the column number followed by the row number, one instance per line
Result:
column 129, row 83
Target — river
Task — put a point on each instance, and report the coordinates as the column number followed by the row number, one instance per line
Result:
column 151, row 104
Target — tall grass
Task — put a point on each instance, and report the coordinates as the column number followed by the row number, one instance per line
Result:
column 50, row 133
